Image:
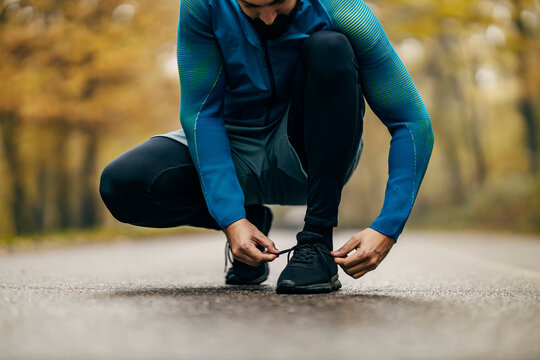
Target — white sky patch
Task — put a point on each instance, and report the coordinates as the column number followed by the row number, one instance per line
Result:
column 124, row 13
column 501, row 13
column 411, row 51
column 495, row 35
column 486, row 77
column 168, row 64
column 529, row 19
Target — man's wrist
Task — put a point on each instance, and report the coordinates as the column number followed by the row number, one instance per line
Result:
column 227, row 229
column 381, row 234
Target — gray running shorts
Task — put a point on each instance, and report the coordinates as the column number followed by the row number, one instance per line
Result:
column 268, row 168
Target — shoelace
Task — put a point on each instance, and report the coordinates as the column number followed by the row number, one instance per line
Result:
column 228, row 255
column 303, row 253
column 299, row 256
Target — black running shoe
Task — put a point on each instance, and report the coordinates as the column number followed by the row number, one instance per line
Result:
column 311, row 269
column 243, row 274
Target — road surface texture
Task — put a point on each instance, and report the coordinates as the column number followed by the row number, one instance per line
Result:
column 436, row 296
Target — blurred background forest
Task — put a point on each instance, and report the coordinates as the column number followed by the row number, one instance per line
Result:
column 82, row 81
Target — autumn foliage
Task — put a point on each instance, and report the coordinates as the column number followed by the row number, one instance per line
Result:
column 82, row 81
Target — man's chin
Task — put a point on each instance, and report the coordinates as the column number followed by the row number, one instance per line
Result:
column 273, row 32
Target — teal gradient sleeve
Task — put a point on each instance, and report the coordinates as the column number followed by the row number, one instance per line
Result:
column 202, row 82
column 392, row 95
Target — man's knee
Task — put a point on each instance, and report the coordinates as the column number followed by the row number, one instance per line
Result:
column 329, row 54
column 130, row 188
column 115, row 188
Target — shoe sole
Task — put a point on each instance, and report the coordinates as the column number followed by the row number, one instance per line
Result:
column 256, row 281
column 333, row 285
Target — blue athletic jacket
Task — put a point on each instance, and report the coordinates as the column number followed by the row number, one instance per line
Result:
column 228, row 76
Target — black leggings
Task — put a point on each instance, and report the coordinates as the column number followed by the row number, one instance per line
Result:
column 156, row 184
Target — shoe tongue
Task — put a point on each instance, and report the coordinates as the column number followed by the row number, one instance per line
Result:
column 308, row 237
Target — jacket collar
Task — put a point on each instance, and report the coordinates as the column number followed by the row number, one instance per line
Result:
column 251, row 35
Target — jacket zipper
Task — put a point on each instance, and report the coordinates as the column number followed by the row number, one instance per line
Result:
column 272, row 82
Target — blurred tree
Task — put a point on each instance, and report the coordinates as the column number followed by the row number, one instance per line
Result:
column 74, row 72
column 13, row 86
column 83, row 80
column 443, row 28
column 482, row 59
column 526, row 17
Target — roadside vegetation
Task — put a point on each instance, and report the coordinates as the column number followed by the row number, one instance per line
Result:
column 83, row 81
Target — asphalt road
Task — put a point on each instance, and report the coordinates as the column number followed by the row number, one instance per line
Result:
column 436, row 296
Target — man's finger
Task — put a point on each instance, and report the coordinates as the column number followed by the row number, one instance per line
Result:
column 256, row 256
column 267, row 257
column 249, row 258
column 361, row 268
column 268, row 244
column 351, row 261
column 345, row 249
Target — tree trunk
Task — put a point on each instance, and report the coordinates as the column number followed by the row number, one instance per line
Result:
column 22, row 221
column 88, row 195
column 450, row 151
column 445, row 123
column 62, row 183
column 527, row 56
column 475, row 117
column 39, row 206
column 527, row 109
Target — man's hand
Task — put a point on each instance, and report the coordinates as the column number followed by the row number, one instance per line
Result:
column 243, row 237
column 371, row 248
